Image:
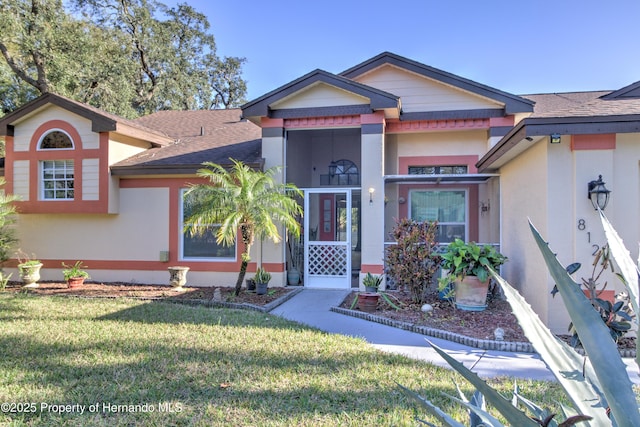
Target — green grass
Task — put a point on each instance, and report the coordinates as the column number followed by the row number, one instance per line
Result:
column 210, row 366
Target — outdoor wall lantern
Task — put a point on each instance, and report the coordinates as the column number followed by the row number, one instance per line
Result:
column 555, row 138
column 371, row 190
column 598, row 194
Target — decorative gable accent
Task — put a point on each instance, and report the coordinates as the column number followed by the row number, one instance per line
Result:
column 270, row 105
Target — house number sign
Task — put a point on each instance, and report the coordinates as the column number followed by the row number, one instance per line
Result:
column 582, row 226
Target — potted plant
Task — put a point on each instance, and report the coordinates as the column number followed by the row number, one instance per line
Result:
column 368, row 300
column 467, row 265
column 29, row 270
column 74, row 274
column 371, row 282
column 294, row 259
column 262, row 279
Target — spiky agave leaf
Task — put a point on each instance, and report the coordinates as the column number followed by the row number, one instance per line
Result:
column 537, row 411
column 563, row 361
column 601, row 349
column 512, row 414
column 628, row 271
column 431, row 408
column 483, row 417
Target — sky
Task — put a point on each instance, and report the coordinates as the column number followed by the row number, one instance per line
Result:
column 521, row 47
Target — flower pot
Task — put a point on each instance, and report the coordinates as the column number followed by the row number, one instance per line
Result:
column 368, row 301
column 261, row 288
column 75, row 282
column 178, row 277
column 293, row 277
column 471, row 294
column 30, row 274
column 251, row 285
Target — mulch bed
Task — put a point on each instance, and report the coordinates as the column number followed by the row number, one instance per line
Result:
column 160, row 292
column 473, row 324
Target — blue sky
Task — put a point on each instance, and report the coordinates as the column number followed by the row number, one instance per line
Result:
column 521, row 47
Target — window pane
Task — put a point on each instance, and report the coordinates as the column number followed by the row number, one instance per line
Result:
column 204, row 244
column 447, row 207
column 56, row 139
column 57, row 175
column 439, row 170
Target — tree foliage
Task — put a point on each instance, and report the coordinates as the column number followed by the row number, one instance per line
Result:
column 128, row 57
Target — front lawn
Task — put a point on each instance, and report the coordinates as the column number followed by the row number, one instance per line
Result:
column 126, row 362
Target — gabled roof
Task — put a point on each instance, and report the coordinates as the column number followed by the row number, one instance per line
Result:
column 200, row 136
column 513, row 103
column 379, row 99
column 571, row 113
column 101, row 121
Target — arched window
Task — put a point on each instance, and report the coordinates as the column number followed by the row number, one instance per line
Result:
column 56, row 176
column 56, row 140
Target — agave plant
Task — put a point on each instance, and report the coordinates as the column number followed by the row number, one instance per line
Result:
column 597, row 384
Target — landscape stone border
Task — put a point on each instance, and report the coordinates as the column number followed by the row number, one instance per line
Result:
column 242, row 306
column 518, row 347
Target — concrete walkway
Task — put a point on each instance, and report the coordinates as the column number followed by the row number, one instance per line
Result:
column 312, row 307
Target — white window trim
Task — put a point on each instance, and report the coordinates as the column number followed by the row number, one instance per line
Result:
column 466, row 203
column 41, row 181
column 181, row 256
column 73, row 144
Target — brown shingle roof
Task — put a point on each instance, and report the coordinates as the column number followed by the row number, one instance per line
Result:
column 200, row 136
column 582, row 104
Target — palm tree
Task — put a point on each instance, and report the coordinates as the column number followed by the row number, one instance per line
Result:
column 242, row 200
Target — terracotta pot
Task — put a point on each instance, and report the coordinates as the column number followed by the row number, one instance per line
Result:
column 74, row 282
column 471, row 294
column 368, row 301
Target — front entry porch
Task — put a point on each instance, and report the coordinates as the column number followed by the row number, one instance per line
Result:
column 331, row 237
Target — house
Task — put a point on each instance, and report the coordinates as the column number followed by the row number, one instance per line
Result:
column 387, row 138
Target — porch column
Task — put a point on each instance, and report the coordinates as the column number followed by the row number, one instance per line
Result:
column 270, row 255
column 372, row 185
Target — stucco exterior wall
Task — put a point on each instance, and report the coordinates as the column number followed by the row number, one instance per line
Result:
column 441, row 143
column 422, row 94
column 523, row 185
column 624, row 183
column 372, row 212
column 273, row 152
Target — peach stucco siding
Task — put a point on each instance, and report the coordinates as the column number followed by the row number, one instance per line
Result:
column 422, row 94
column 441, row 144
column 523, row 185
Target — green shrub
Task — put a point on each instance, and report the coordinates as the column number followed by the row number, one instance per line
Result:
column 413, row 262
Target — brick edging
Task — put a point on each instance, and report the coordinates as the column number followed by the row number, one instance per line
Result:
column 518, row 347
